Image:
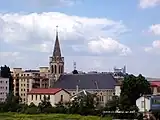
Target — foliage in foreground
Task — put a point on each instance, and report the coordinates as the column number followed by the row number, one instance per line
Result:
column 15, row 116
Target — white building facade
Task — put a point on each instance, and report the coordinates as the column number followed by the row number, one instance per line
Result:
column 4, row 88
column 117, row 90
column 148, row 103
column 143, row 103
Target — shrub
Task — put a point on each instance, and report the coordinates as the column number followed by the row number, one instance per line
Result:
column 31, row 110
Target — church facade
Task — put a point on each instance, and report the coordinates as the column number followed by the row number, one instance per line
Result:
column 102, row 84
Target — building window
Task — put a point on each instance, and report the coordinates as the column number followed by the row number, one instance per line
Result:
column 40, row 97
column 158, row 89
column 59, row 69
column 55, row 69
column 36, row 97
column 62, row 68
column 142, row 104
column 61, row 98
column 152, row 88
column 48, row 97
column 6, row 82
column 102, row 98
column 32, row 97
column 51, row 68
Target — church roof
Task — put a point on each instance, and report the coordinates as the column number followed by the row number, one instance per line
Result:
column 86, row 81
column 57, row 50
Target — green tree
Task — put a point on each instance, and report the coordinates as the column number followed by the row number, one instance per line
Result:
column 45, row 103
column 133, row 87
column 84, row 105
column 112, row 105
column 12, row 103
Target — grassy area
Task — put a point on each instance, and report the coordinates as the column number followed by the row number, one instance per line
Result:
column 16, row 116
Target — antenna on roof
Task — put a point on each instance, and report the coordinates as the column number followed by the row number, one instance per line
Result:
column 74, row 65
column 96, row 84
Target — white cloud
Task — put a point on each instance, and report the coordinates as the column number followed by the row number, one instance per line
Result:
column 9, row 54
column 37, row 31
column 155, row 29
column 155, row 48
column 108, row 45
column 149, row 3
column 10, row 58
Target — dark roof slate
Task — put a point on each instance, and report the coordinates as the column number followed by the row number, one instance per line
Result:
column 86, row 81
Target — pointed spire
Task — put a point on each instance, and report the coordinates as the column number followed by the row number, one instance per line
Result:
column 57, row 50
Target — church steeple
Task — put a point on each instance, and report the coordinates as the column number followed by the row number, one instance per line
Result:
column 57, row 50
column 56, row 62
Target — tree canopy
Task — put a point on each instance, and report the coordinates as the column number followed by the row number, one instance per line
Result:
column 6, row 73
column 133, row 87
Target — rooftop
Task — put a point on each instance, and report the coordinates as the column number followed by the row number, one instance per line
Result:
column 45, row 91
column 86, row 81
column 155, row 83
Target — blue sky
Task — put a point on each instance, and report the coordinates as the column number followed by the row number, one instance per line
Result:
column 97, row 35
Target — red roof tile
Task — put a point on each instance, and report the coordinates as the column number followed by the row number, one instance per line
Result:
column 45, row 91
column 155, row 83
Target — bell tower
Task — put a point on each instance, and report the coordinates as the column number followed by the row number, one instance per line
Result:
column 56, row 61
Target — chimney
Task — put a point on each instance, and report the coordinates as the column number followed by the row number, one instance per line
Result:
column 76, row 88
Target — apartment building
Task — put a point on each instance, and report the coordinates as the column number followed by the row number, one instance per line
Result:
column 4, row 88
column 25, row 80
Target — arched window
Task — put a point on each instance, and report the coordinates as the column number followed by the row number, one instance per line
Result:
column 55, row 69
column 59, row 69
column 51, row 68
column 62, row 69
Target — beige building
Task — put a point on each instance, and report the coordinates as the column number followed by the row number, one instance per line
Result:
column 55, row 95
column 25, row 80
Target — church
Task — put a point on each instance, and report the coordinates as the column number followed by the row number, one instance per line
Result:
column 102, row 84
